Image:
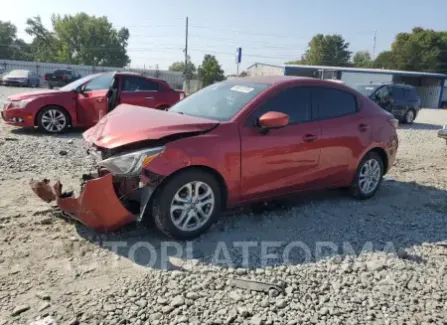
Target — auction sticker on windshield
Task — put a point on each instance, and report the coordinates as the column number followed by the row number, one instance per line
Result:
column 242, row 89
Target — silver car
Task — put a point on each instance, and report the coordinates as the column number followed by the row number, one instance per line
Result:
column 24, row 78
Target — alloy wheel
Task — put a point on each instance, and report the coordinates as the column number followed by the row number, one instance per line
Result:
column 54, row 121
column 369, row 176
column 192, row 206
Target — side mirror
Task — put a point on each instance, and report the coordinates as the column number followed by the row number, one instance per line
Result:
column 80, row 90
column 273, row 120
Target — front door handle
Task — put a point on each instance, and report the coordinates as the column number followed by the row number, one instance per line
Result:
column 363, row 127
column 310, row 137
column 149, row 97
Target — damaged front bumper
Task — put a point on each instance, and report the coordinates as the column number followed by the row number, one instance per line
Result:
column 98, row 205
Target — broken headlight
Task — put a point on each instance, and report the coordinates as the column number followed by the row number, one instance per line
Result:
column 130, row 164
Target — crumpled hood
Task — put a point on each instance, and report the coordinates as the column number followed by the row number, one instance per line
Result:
column 128, row 124
column 40, row 93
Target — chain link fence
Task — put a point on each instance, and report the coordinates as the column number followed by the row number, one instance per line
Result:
column 175, row 79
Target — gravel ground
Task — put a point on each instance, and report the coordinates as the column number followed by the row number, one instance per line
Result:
column 382, row 261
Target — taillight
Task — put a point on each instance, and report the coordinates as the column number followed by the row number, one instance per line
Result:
column 65, row 78
column 394, row 122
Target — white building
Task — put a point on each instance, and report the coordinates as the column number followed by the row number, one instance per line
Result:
column 430, row 86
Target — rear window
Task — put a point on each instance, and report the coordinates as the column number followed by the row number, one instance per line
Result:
column 60, row 72
column 330, row 103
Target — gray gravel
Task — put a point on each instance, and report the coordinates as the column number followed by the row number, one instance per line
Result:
column 382, row 261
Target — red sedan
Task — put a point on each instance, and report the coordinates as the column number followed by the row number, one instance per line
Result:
column 234, row 142
column 84, row 101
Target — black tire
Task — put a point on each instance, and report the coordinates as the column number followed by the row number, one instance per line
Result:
column 60, row 110
column 409, row 116
column 161, row 208
column 163, row 107
column 50, row 86
column 355, row 188
column 28, row 83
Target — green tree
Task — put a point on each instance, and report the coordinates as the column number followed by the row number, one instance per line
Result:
column 179, row 66
column 79, row 39
column 329, row 50
column 384, row 60
column 44, row 46
column 362, row 59
column 11, row 47
column 210, row 71
column 420, row 50
column 243, row 74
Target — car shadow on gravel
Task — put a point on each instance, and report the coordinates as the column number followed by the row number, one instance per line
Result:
column 73, row 133
column 296, row 230
column 420, row 126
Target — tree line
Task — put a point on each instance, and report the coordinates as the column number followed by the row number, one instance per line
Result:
column 73, row 39
column 423, row 50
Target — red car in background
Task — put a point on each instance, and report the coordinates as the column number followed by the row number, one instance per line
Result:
column 83, row 102
column 234, row 142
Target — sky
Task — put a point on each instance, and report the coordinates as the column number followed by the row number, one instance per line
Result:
column 270, row 32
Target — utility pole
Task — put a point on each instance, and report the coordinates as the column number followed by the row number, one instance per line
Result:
column 374, row 45
column 186, row 56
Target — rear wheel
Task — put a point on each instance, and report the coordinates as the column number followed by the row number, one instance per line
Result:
column 409, row 116
column 28, row 83
column 163, row 107
column 188, row 204
column 53, row 119
column 368, row 177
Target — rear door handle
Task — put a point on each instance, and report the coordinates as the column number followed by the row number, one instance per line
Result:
column 310, row 137
column 363, row 127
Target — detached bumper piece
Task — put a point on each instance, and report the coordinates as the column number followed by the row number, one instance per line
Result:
column 97, row 207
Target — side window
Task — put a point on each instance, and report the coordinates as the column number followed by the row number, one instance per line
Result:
column 398, row 93
column 101, row 82
column 330, row 103
column 382, row 92
column 134, row 84
column 294, row 101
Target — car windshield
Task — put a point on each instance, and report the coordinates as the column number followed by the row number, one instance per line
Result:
column 220, row 101
column 75, row 84
column 366, row 90
column 18, row 74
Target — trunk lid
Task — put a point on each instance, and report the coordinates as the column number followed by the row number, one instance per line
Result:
column 128, row 124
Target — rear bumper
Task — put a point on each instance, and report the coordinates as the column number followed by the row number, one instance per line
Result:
column 15, row 83
column 97, row 207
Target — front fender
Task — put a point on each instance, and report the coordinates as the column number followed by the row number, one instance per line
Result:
column 213, row 150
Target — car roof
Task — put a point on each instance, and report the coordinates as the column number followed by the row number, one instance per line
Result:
column 377, row 84
column 271, row 80
column 130, row 73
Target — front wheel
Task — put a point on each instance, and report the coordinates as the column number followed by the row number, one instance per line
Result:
column 368, row 177
column 409, row 117
column 52, row 119
column 188, row 204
